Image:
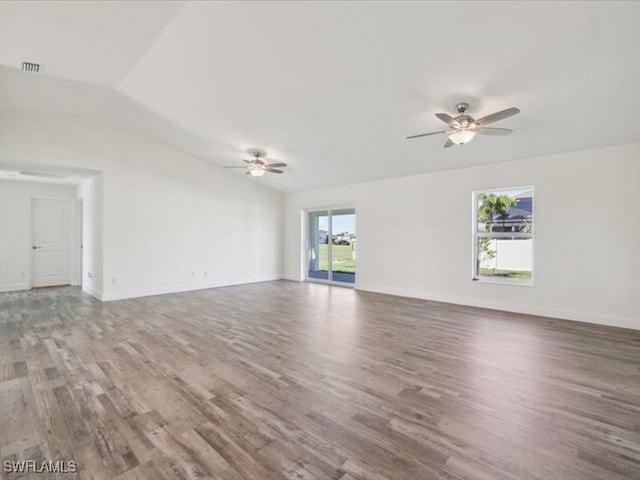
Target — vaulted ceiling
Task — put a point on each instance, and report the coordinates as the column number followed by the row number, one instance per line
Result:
column 332, row 88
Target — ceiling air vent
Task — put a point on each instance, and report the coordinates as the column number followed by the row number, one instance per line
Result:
column 30, row 67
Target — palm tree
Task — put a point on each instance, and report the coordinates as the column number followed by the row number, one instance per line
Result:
column 493, row 206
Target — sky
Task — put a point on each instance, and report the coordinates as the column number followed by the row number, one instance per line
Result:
column 341, row 223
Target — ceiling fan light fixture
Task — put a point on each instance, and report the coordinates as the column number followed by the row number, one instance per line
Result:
column 257, row 167
column 462, row 136
column 256, row 171
column 464, row 127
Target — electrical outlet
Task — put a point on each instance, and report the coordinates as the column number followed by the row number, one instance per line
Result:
column 206, row 274
column 89, row 274
column 21, row 274
column 114, row 281
column 193, row 274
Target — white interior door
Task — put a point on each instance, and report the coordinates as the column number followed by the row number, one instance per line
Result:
column 50, row 242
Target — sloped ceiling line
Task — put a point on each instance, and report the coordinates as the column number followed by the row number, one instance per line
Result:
column 333, row 88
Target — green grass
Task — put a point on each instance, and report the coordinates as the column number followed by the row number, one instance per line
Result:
column 516, row 274
column 342, row 259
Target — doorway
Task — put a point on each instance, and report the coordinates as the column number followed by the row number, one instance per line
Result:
column 332, row 246
column 51, row 241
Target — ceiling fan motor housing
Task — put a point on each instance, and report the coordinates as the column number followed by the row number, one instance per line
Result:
column 464, row 121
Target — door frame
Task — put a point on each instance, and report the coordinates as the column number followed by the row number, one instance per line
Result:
column 305, row 245
column 77, row 242
column 75, row 277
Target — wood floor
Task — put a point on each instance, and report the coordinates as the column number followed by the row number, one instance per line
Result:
column 292, row 380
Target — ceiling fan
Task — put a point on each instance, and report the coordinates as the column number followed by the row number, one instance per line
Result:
column 464, row 127
column 257, row 166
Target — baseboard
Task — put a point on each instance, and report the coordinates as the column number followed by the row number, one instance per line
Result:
column 14, row 287
column 187, row 287
column 293, row 278
column 565, row 314
column 94, row 293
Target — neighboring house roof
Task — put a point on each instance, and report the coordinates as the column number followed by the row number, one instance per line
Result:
column 514, row 215
column 515, row 212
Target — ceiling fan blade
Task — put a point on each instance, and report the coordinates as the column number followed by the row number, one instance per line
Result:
column 449, row 143
column 276, row 165
column 273, row 170
column 250, row 162
column 494, row 117
column 426, row 134
column 446, row 118
column 492, row 131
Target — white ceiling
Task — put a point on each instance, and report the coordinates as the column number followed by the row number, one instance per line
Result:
column 92, row 41
column 333, row 88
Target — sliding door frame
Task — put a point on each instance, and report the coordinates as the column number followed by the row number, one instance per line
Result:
column 306, row 245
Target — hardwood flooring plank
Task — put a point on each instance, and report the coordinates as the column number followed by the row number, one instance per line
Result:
column 18, row 430
column 292, row 380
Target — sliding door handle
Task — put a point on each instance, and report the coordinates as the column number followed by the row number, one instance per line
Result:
column 35, row 247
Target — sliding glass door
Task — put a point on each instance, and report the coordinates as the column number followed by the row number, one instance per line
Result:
column 332, row 245
column 318, row 240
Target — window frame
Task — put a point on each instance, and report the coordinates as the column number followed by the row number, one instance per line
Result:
column 477, row 235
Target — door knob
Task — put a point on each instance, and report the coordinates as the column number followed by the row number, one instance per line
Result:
column 35, row 248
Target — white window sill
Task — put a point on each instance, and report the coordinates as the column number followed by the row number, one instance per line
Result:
column 504, row 281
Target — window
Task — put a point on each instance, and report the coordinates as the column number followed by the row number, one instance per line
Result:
column 503, row 235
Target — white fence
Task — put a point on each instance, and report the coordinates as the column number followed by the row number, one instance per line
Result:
column 510, row 255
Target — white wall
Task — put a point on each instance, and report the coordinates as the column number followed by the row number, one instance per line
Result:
column 167, row 217
column 414, row 235
column 15, row 228
column 92, row 247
